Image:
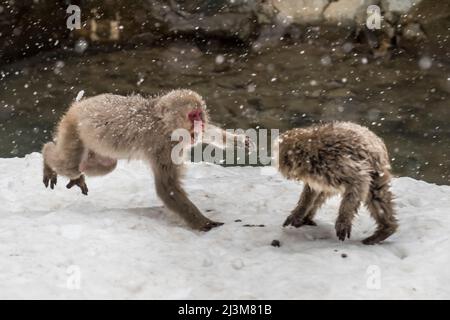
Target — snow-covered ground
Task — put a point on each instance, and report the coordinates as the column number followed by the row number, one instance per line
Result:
column 119, row 242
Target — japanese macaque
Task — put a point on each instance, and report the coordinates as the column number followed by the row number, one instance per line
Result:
column 97, row 131
column 339, row 157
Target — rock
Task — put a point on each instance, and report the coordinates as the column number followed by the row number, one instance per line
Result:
column 346, row 11
column 413, row 31
column 399, row 6
column 27, row 27
column 223, row 25
column 213, row 18
column 276, row 243
column 433, row 17
column 270, row 35
column 146, row 21
column 301, row 11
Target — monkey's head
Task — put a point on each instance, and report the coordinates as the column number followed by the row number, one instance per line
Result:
column 183, row 109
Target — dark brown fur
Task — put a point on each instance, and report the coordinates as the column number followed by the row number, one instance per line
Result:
column 339, row 157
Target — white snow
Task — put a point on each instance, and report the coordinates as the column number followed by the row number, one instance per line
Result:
column 80, row 95
column 119, row 242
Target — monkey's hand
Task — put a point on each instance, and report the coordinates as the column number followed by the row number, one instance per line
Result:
column 50, row 177
column 297, row 221
column 343, row 229
column 208, row 225
column 80, row 182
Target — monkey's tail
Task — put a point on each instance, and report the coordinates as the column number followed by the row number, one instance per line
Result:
column 380, row 200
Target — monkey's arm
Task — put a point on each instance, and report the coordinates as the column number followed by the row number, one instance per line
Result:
column 168, row 188
column 64, row 161
column 225, row 139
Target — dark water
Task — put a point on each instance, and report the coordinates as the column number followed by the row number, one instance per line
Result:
column 405, row 100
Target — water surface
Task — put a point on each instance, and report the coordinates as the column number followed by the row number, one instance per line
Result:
column 405, row 100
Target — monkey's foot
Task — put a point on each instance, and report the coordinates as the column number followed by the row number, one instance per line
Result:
column 80, row 182
column 343, row 230
column 209, row 225
column 297, row 221
column 379, row 236
column 50, row 177
column 309, row 222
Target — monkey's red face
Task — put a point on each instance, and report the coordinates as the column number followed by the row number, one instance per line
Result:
column 196, row 117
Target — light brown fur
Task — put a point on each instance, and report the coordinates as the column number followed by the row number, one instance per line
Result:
column 97, row 131
column 339, row 157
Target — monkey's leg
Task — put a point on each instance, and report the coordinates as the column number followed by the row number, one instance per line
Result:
column 80, row 182
column 298, row 217
column 351, row 200
column 379, row 203
column 318, row 202
column 65, row 156
column 99, row 169
column 50, row 176
column 168, row 188
column 94, row 164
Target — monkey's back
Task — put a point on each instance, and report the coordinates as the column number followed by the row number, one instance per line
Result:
column 331, row 155
column 110, row 123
